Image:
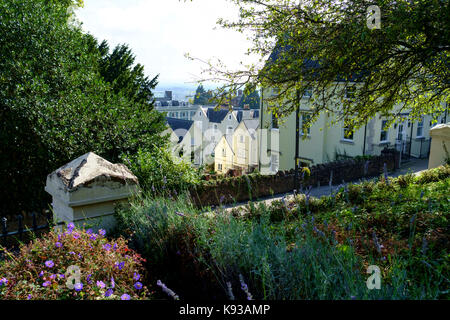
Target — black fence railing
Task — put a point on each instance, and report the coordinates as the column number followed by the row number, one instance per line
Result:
column 20, row 228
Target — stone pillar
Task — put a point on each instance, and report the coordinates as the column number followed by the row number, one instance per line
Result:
column 86, row 190
column 440, row 136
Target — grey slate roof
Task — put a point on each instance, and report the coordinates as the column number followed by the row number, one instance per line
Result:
column 216, row 116
column 179, row 126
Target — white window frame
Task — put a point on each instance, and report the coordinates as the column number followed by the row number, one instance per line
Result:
column 420, row 126
column 303, row 118
column 344, row 138
column 384, row 130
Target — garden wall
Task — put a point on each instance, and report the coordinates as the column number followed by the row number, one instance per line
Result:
column 253, row 186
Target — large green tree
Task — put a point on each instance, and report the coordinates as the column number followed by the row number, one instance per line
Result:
column 60, row 97
column 327, row 45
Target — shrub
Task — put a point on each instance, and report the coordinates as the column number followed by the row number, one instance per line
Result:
column 108, row 269
column 158, row 171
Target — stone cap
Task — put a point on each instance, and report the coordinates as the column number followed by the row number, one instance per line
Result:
column 442, row 130
column 91, row 178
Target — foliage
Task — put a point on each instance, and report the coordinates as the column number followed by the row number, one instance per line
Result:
column 203, row 97
column 306, row 249
column 327, row 46
column 252, row 99
column 108, row 269
column 159, row 171
column 59, row 99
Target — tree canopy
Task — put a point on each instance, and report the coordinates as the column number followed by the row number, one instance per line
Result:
column 62, row 95
column 327, row 46
column 203, row 97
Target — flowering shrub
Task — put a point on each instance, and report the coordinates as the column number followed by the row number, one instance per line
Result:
column 75, row 264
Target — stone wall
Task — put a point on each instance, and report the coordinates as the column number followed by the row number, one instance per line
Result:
column 253, row 186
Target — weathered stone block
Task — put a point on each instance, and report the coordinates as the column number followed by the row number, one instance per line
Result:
column 86, row 190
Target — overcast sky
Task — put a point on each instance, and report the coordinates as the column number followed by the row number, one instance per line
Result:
column 160, row 32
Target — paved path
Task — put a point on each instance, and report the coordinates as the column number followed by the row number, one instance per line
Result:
column 413, row 166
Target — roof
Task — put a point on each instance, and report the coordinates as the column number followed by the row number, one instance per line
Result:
column 229, row 139
column 216, row 116
column 251, row 126
column 240, row 114
column 179, row 126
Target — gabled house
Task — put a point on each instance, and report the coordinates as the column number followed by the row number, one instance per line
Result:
column 245, row 145
column 223, row 154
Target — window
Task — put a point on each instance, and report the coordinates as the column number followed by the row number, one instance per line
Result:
column 200, row 114
column 274, row 121
column 419, row 132
column 229, row 130
column 305, row 119
column 274, row 163
column 224, row 152
column 400, row 133
column 384, row 131
column 229, row 117
column 219, row 166
column 350, row 92
column 192, row 141
column 347, row 134
column 308, row 93
column 241, row 153
column 241, row 139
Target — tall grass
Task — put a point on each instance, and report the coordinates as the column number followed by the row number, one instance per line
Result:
column 294, row 253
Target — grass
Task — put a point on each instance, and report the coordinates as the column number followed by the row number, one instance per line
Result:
column 306, row 249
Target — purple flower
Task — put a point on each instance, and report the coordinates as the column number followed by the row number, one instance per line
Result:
column 58, row 244
column 61, row 276
column 41, row 273
column 29, row 297
column 88, row 279
column 113, row 283
column 120, row 265
column 136, row 276
column 180, row 214
column 108, row 292
column 138, row 285
column 70, row 226
column 101, row 284
column 53, row 276
column 115, row 246
column 76, row 235
column 125, row 297
column 78, row 286
column 93, row 237
column 107, row 247
column 46, row 283
column 71, row 252
column 89, row 231
column 102, row 232
column 3, row 281
column 49, row 263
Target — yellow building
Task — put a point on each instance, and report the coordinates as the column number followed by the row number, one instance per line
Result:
column 324, row 143
column 223, row 154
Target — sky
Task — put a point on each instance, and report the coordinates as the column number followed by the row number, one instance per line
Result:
column 161, row 32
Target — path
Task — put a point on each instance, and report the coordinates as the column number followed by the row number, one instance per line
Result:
column 412, row 166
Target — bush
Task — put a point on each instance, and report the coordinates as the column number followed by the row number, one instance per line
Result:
column 158, row 171
column 108, row 269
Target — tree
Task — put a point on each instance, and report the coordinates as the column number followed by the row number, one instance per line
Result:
column 203, row 97
column 252, row 99
column 118, row 68
column 57, row 100
column 327, row 46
